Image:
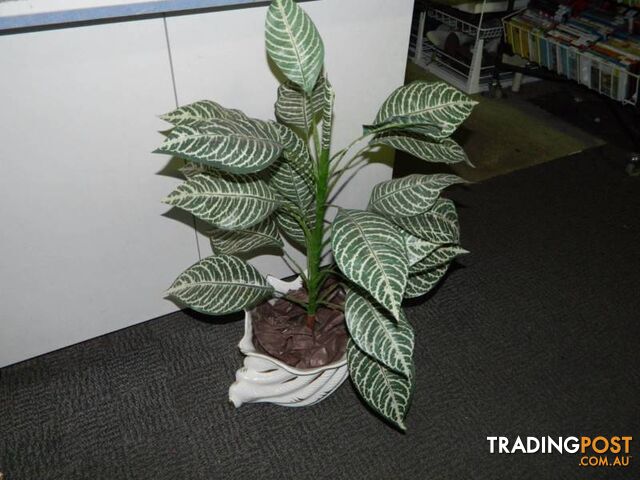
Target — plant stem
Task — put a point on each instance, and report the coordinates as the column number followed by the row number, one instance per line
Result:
column 340, row 155
column 291, row 299
column 295, row 266
column 328, row 292
column 314, row 248
column 337, row 173
column 333, row 306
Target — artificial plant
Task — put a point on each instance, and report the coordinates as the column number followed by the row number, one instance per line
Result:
column 258, row 181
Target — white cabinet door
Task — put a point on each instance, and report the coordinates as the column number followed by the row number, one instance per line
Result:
column 84, row 248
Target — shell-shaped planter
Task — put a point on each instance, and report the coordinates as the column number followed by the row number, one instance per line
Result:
column 267, row 379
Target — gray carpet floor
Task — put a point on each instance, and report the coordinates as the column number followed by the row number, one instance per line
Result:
column 534, row 333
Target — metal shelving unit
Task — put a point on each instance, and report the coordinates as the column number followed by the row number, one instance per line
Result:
column 475, row 30
column 595, row 73
column 619, row 87
column 468, row 76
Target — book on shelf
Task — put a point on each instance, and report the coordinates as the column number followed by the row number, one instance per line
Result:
column 599, row 46
column 622, row 47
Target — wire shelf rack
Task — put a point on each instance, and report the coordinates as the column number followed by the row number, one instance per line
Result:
column 471, row 74
column 491, row 28
column 451, row 69
column 430, row 54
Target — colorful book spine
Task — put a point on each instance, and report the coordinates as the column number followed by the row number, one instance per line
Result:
column 544, row 51
column 598, row 48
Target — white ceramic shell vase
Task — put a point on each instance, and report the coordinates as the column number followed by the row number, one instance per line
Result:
column 266, row 379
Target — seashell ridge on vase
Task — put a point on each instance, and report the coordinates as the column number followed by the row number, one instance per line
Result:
column 266, row 379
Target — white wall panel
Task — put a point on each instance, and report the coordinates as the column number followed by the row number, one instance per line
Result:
column 84, row 246
column 84, row 249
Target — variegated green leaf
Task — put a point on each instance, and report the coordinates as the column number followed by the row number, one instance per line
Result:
column 370, row 251
column 319, row 94
column 439, row 225
column 295, row 151
column 290, row 228
column 262, row 235
column 236, row 146
column 421, row 283
column 447, row 209
column 445, row 151
column 441, row 256
column 378, row 334
column 384, row 390
column 287, row 181
column 219, row 285
column 417, row 248
column 199, row 111
column 226, row 201
column 294, row 44
column 433, row 109
column 422, row 129
column 294, row 107
column 297, row 109
column 191, row 169
column 327, row 115
column 410, row 195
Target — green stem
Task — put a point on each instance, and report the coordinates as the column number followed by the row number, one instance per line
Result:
column 338, row 173
column 314, row 248
column 299, row 217
column 333, row 306
column 291, row 299
column 340, row 155
column 328, row 292
column 336, row 273
column 295, row 266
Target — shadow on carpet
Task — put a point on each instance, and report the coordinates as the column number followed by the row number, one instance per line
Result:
column 505, row 135
column 533, row 333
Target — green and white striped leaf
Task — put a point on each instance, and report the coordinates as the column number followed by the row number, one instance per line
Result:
column 287, row 181
column 295, row 108
column 433, row 109
column 294, row 44
column 378, row 334
column 262, row 235
column 439, row 225
column 199, row 111
column 417, row 248
column 427, row 130
column 445, row 151
column 191, row 169
column 295, row 151
column 421, row 283
column 290, row 227
column 411, row 195
column 219, row 285
column 327, row 115
column 441, row 256
column 318, row 97
column 370, row 251
column 226, row 201
column 235, row 146
column 384, row 390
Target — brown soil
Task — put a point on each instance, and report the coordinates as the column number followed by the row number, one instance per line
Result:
column 280, row 330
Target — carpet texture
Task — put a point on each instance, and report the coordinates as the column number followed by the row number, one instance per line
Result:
column 509, row 134
column 534, row 333
column 590, row 112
